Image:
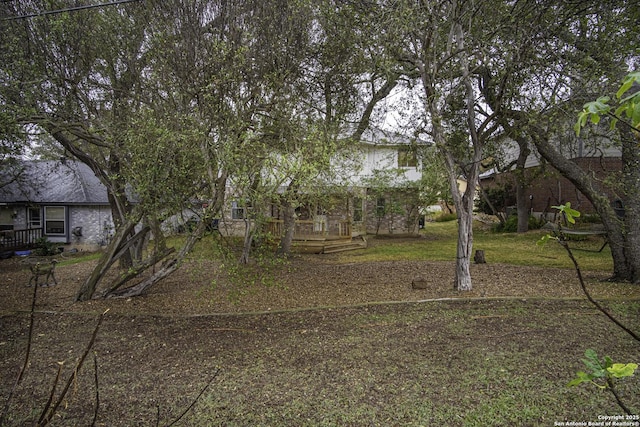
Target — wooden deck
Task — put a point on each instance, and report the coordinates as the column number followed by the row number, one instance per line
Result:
column 319, row 237
column 329, row 246
column 15, row 240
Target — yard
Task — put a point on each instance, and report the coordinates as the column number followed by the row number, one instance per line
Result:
column 337, row 339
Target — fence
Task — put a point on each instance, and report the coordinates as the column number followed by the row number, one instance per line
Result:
column 305, row 229
column 16, row 239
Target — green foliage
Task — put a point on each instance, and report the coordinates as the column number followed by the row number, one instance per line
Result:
column 44, row 247
column 589, row 219
column 511, row 224
column 601, row 373
column 569, row 214
column 628, row 107
column 446, row 217
column 592, row 110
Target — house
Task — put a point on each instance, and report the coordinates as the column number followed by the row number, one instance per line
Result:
column 62, row 201
column 547, row 187
column 65, row 202
column 388, row 184
column 377, row 193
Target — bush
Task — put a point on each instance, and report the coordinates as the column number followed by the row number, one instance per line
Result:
column 446, row 217
column 589, row 219
column 45, row 248
column 511, row 224
column 499, row 196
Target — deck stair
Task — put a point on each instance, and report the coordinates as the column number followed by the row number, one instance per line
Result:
column 328, row 246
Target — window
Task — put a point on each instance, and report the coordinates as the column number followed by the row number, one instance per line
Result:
column 34, row 217
column 380, row 207
column 407, row 158
column 54, row 220
column 6, row 219
column 237, row 212
column 357, row 209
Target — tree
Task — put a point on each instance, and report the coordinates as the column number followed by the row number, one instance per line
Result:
column 146, row 116
column 561, row 56
column 330, row 95
column 78, row 77
column 436, row 42
column 164, row 101
column 627, row 117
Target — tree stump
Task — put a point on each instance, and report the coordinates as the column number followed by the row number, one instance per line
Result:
column 479, row 257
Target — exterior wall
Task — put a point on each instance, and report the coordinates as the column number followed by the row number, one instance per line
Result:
column 386, row 158
column 552, row 189
column 231, row 227
column 95, row 222
column 96, row 225
column 401, row 214
column 12, row 217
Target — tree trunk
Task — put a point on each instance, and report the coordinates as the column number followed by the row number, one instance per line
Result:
column 631, row 182
column 107, row 259
column 466, row 202
column 248, row 241
column 289, row 228
column 499, row 215
column 522, row 199
column 522, row 206
column 479, row 257
column 462, row 279
column 167, row 269
column 594, row 192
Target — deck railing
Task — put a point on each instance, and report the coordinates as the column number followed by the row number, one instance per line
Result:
column 15, row 239
column 305, row 229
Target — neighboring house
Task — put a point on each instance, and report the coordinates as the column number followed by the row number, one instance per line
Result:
column 547, row 187
column 62, row 201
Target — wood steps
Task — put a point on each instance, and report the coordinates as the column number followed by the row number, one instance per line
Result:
column 355, row 243
column 329, row 246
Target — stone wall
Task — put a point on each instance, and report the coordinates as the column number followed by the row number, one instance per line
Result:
column 400, row 214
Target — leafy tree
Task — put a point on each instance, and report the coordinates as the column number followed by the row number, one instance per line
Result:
column 555, row 58
column 167, row 101
column 331, row 93
column 437, row 43
column 78, row 77
column 434, row 187
column 627, row 117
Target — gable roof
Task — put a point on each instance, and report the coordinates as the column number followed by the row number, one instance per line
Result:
column 65, row 182
column 383, row 137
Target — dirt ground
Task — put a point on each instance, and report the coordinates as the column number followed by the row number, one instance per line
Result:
column 158, row 350
column 202, row 287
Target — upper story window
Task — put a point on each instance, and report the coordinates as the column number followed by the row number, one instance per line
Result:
column 407, row 158
column 357, row 209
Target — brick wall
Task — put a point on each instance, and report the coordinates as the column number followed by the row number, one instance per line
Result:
column 551, row 188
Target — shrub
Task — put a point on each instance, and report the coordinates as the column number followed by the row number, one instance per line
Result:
column 45, row 248
column 511, row 224
column 445, row 217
